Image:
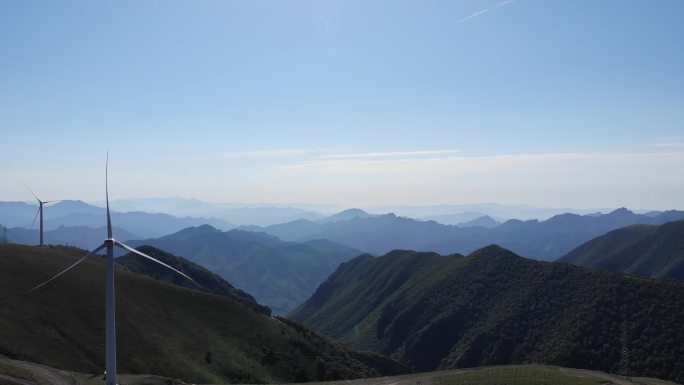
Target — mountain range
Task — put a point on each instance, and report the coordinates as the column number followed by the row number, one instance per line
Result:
column 377, row 234
column 79, row 236
column 543, row 240
column 254, row 214
column 162, row 328
column 263, row 214
column 458, row 213
column 483, row 221
column 495, row 308
column 645, row 250
column 268, row 214
column 78, row 213
column 279, row 274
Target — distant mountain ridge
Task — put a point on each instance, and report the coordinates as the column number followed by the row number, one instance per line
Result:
column 483, row 221
column 279, row 274
column 266, row 215
column 79, row 236
column 345, row 216
column 454, row 213
column 546, row 240
column 77, row 213
column 646, row 250
column 377, row 234
column 495, row 308
column 262, row 215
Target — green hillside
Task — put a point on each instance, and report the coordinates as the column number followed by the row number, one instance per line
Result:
column 14, row 372
column 650, row 251
column 163, row 329
column 280, row 275
column 494, row 307
column 204, row 279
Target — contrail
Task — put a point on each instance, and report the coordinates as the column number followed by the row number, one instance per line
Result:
column 483, row 11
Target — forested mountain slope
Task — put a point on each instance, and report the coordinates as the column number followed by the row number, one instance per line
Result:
column 650, row 251
column 494, row 307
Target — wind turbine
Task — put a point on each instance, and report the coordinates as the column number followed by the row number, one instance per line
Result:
column 109, row 244
column 40, row 211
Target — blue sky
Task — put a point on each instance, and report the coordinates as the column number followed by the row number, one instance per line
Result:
column 551, row 103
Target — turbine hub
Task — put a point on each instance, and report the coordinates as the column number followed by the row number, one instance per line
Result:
column 109, row 241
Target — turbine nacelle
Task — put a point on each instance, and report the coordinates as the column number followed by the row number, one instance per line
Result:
column 40, row 211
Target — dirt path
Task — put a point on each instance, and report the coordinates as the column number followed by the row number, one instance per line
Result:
column 5, row 379
column 43, row 375
column 602, row 375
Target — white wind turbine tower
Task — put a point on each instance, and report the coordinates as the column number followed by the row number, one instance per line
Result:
column 40, row 211
column 109, row 244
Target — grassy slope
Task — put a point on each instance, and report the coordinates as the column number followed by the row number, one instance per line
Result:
column 501, row 375
column 505, row 375
column 651, row 251
column 161, row 329
column 493, row 307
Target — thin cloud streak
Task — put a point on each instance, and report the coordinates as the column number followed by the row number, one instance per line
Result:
column 671, row 144
column 391, row 154
column 326, row 153
column 276, row 153
column 483, row 11
column 485, row 164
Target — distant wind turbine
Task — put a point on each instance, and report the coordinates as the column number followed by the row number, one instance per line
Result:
column 109, row 244
column 40, row 211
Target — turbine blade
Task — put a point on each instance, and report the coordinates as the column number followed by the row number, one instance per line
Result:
column 132, row 250
column 102, row 246
column 34, row 195
column 36, row 217
column 46, row 202
column 109, row 219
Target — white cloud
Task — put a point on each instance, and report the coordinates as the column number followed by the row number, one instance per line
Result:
column 669, row 144
column 579, row 179
column 650, row 180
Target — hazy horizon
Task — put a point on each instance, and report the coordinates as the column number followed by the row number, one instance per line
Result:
column 180, row 206
column 548, row 104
